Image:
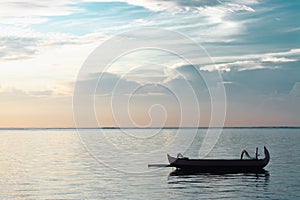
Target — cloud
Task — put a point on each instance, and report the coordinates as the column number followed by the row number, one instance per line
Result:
column 185, row 71
column 209, row 16
column 25, row 13
column 17, row 48
column 289, row 54
column 203, row 20
column 238, row 66
column 277, row 59
column 22, row 21
column 183, row 80
column 262, row 81
column 20, row 43
column 179, row 5
column 105, row 84
column 253, row 61
column 13, row 8
column 24, row 94
column 296, row 29
column 118, row 84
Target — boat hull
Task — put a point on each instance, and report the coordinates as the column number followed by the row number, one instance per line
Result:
column 208, row 165
column 234, row 166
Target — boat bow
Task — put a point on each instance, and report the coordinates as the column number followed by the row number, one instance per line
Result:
column 267, row 155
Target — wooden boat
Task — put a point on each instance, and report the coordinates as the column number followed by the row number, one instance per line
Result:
column 221, row 165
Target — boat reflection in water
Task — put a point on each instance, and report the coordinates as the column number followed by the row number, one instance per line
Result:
column 257, row 173
column 195, row 185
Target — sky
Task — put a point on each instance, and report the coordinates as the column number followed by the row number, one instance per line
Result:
column 184, row 63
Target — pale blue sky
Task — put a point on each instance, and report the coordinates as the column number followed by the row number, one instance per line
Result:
column 254, row 45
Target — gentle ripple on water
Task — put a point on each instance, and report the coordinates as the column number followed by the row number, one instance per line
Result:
column 52, row 164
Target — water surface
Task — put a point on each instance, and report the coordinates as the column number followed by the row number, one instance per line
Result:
column 47, row 164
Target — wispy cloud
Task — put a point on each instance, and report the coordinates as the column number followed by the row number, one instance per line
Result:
column 18, row 43
column 204, row 21
column 277, row 59
column 22, row 21
column 19, row 93
column 178, row 5
column 253, row 61
column 296, row 29
column 30, row 12
column 17, row 48
column 38, row 8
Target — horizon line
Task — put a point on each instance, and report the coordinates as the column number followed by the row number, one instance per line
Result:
column 166, row 127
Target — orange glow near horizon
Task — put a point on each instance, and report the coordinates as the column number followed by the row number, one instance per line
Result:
column 58, row 113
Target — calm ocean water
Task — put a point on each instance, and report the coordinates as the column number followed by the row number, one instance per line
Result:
column 112, row 164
